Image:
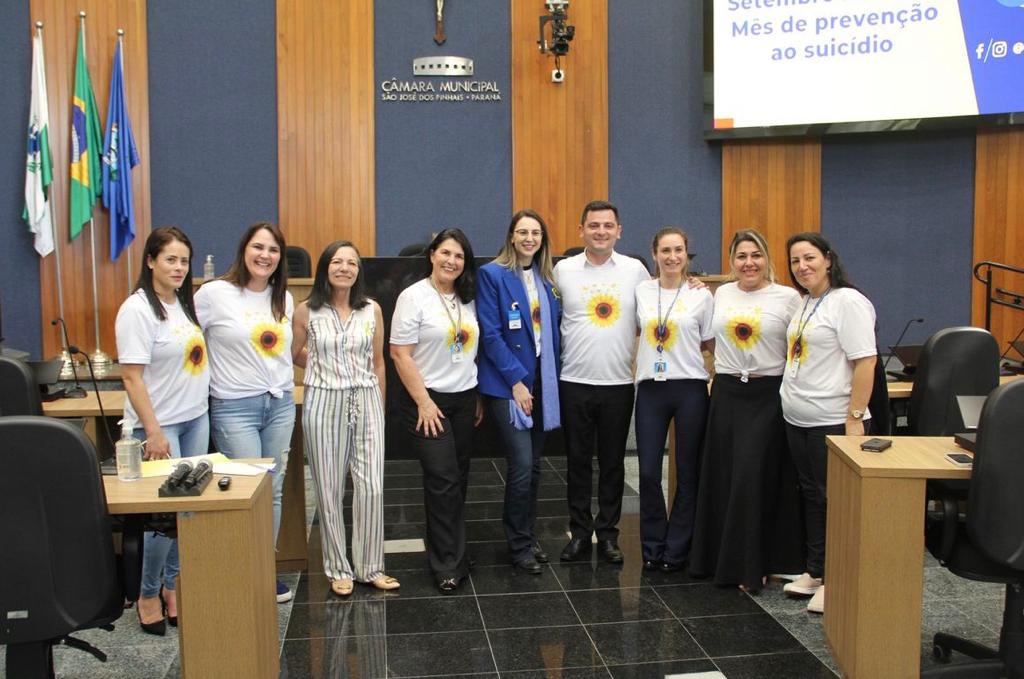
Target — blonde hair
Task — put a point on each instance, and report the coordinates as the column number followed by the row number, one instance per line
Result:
column 508, row 257
column 751, row 236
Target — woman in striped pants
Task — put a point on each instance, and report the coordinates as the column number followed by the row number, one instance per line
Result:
column 339, row 340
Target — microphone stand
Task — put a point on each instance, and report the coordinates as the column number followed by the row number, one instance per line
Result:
column 66, row 355
column 96, row 388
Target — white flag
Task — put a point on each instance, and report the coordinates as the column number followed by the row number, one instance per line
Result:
column 39, row 163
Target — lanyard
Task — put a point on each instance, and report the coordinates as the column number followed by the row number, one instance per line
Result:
column 456, row 324
column 798, row 342
column 661, row 331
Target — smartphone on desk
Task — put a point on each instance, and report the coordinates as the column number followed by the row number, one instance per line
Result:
column 875, row 445
column 960, row 459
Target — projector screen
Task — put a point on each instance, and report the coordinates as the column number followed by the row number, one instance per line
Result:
column 806, row 62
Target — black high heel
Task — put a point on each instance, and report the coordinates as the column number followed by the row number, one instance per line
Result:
column 173, row 619
column 158, row 628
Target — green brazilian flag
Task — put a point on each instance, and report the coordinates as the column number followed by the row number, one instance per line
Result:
column 85, row 145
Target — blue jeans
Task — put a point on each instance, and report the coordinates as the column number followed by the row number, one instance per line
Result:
column 256, row 426
column 523, row 449
column 160, row 553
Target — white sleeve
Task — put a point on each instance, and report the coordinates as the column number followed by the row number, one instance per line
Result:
column 855, row 326
column 707, row 332
column 289, row 305
column 793, row 303
column 135, row 328
column 405, row 323
column 204, row 305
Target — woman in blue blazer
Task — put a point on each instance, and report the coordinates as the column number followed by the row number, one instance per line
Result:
column 520, row 351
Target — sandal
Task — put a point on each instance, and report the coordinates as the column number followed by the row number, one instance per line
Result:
column 342, row 587
column 448, row 585
column 385, row 582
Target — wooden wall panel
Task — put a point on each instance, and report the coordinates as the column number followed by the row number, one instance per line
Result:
column 560, row 131
column 60, row 40
column 999, row 223
column 773, row 186
column 325, row 109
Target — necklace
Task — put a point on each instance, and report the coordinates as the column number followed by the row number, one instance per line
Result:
column 456, row 322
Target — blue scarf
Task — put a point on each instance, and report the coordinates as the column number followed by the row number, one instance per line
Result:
column 548, row 376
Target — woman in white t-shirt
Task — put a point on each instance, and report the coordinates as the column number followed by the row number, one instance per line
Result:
column 748, row 508
column 163, row 360
column 674, row 322
column 826, row 385
column 434, row 341
column 246, row 316
column 339, row 339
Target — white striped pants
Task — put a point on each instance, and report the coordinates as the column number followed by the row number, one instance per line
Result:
column 343, row 431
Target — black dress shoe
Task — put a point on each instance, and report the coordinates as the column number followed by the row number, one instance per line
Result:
column 539, row 554
column 158, row 628
column 650, row 565
column 576, row 549
column 609, row 551
column 529, row 565
column 667, row 567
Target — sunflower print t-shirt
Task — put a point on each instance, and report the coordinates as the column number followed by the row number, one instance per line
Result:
column 250, row 350
column 750, row 329
column 173, row 351
column 687, row 324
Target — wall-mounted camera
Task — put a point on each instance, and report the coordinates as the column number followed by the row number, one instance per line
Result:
column 561, row 32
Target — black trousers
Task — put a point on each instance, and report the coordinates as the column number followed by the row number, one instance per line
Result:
column 445, row 463
column 595, row 416
column 810, row 457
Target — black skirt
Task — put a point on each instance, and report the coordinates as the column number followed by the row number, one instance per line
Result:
column 748, row 521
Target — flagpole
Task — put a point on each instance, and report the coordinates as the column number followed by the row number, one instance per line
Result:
column 65, row 357
column 120, row 43
column 99, row 357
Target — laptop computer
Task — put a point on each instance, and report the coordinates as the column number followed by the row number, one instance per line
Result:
column 970, row 413
column 908, row 355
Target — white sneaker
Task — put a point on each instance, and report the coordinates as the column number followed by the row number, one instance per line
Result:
column 817, row 602
column 805, row 585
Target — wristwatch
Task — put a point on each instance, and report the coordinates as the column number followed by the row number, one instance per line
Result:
column 857, row 414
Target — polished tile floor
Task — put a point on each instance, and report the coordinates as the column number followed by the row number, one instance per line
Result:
column 586, row 619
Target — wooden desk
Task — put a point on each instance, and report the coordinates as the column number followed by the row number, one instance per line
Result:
column 291, row 541
column 901, row 390
column 227, row 611
column 874, row 551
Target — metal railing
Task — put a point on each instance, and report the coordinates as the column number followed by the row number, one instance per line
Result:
column 1000, row 296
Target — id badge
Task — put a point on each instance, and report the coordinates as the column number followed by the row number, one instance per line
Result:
column 660, row 371
column 457, row 354
column 515, row 319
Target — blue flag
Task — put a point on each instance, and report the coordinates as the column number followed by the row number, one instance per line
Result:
column 119, row 157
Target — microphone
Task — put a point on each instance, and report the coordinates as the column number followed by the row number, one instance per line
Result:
column 202, row 470
column 180, row 472
column 72, row 349
column 76, row 391
column 900, row 339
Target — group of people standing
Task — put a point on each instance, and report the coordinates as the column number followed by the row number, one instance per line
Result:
column 581, row 345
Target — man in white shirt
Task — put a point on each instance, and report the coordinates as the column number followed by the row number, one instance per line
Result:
column 596, row 385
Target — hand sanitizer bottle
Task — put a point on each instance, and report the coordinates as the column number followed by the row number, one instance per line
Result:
column 128, row 451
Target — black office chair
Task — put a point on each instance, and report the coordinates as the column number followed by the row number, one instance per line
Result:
column 58, row 569
column 989, row 545
column 642, row 260
column 413, row 250
column 19, row 393
column 573, row 251
column 961, row 361
column 299, row 263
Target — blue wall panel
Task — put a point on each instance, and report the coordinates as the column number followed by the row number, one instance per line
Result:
column 213, row 120
column 443, row 164
column 899, row 209
column 661, row 170
column 19, row 263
